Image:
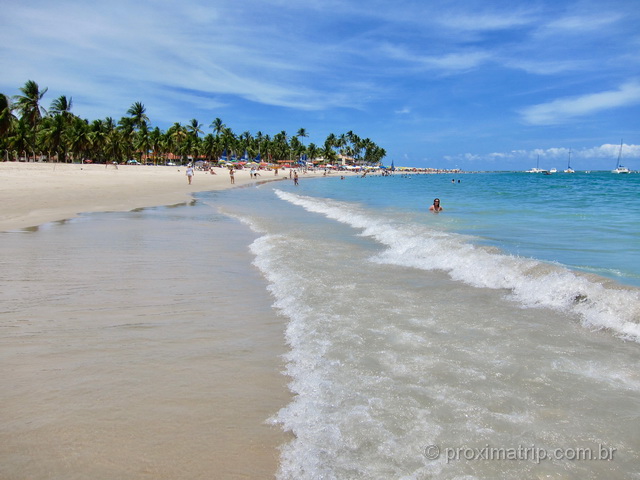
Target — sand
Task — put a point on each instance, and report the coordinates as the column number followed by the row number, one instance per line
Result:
column 81, row 440
column 35, row 193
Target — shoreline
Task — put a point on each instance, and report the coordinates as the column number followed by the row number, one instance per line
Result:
column 32, row 194
column 243, row 390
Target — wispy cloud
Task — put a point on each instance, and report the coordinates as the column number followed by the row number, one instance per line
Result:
column 448, row 62
column 463, row 67
column 605, row 151
column 563, row 109
column 485, row 20
column 581, row 24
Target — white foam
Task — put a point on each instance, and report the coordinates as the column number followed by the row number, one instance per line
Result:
column 341, row 416
column 530, row 282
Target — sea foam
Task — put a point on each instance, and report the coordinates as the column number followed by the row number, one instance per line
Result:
column 597, row 302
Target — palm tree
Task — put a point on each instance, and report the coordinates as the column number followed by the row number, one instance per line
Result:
column 32, row 130
column 313, row 151
column 79, row 138
column 218, row 126
column 28, row 104
column 61, row 106
column 177, row 136
column 142, row 142
column 302, row 133
column 208, row 146
column 52, row 136
column 6, row 115
column 138, row 114
column 328, row 153
column 56, row 126
column 155, row 140
column 126, row 131
column 194, row 127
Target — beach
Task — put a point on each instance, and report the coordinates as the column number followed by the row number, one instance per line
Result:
column 331, row 329
column 128, row 358
column 34, row 193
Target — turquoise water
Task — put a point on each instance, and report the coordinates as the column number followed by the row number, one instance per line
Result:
column 589, row 222
column 418, row 345
column 508, row 322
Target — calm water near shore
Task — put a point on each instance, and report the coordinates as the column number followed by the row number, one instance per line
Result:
column 417, row 345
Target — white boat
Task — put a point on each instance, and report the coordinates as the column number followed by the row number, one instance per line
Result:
column 569, row 169
column 619, row 168
column 536, row 169
column 553, row 170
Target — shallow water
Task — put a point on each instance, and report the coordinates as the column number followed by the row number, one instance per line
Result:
column 408, row 337
column 417, row 345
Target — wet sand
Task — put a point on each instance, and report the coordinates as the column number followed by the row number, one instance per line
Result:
column 125, row 352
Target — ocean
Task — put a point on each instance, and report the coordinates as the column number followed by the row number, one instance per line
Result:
column 496, row 339
column 458, row 344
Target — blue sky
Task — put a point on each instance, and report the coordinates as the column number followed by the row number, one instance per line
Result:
column 474, row 84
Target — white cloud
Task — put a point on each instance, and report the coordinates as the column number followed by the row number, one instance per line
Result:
column 580, row 24
column 563, row 109
column 448, row 62
column 484, row 21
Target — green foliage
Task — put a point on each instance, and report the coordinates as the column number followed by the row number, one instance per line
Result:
column 28, row 131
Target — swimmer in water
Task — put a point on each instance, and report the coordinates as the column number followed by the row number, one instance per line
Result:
column 436, row 206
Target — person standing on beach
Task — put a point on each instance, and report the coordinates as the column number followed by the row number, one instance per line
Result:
column 233, row 180
column 189, row 173
column 435, row 208
column 295, row 177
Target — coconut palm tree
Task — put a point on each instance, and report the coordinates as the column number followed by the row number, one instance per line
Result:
column 302, row 133
column 28, row 104
column 79, row 139
column 155, row 141
column 177, row 136
column 61, row 106
column 142, row 142
column 218, row 126
column 208, row 146
column 313, row 151
column 138, row 114
column 194, row 127
column 7, row 118
column 31, row 112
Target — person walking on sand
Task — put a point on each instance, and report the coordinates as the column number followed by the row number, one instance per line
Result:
column 233, row 180
column 435, row 208
column 189, row 173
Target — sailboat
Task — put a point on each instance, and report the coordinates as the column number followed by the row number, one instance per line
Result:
column 619, row 168
column 536, row 169
column 569, row 169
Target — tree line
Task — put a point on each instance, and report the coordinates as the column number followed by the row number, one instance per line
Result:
column 29, row 131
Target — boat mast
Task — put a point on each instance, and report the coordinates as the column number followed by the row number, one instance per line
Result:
column 619, row 154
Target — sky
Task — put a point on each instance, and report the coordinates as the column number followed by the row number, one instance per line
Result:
column 470, row 84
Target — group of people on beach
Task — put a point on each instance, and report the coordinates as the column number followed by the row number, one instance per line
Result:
column 435, row 208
